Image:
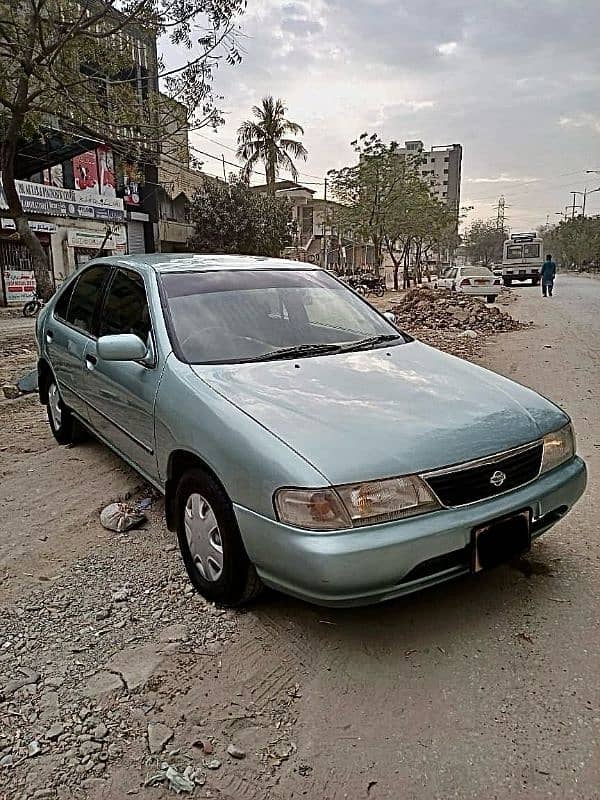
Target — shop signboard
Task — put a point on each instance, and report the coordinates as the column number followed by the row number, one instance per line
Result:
column 91, row 240
column 55, row 201
column 20, row 285
column 37, row 227
column 106, row 172
column 85, row 170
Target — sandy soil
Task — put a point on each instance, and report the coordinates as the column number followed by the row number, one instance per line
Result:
column 483, row 688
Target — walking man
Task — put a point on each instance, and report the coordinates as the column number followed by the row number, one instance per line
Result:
column 548, row 273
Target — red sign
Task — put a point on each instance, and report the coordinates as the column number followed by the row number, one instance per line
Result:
column 85, row 170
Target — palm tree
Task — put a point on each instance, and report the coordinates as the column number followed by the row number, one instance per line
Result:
column 265, row 140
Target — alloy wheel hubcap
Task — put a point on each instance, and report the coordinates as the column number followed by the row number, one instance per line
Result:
column 54, row 405
column 203, row 537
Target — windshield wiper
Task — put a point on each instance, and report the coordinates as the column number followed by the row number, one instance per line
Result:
column 297, row 350
column 371, row 341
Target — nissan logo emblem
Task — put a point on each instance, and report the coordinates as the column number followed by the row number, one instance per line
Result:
column 497, row 478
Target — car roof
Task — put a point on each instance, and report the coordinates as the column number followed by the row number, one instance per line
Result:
column 195, row 262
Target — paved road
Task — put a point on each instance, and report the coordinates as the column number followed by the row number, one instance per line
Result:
column 488, row 687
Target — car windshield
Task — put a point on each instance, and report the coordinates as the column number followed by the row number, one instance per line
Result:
column 476, row 272
column 253, row 315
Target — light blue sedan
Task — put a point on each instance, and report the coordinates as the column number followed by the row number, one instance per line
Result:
column 300, row 440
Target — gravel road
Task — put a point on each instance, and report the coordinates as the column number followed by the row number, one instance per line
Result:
column 482, row 688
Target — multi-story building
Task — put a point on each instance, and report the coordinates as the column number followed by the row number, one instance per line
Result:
column 440, row 168
column 82, row 196
column 313, row 237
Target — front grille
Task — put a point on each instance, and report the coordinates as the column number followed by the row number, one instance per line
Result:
column 469, row 484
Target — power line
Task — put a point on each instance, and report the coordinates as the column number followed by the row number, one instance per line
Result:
column 233, row 150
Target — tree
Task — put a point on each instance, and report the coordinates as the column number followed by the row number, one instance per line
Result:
column 266, row 140
column 66, row 72
column 385, row 201
column 231, row 218
column 484, row 241
column 575, row 242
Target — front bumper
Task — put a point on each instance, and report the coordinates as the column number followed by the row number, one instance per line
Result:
column 380, row 562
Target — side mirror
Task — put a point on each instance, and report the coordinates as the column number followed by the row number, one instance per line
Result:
column 390, row 316
column 121, row 347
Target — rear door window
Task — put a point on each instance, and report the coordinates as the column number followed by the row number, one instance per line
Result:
column 531, row 251
column 126, row 306
column 85, row 296
column 62, row 304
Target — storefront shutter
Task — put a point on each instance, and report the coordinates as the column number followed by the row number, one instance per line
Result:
column 135, row 237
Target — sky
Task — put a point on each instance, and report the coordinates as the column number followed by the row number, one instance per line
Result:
column 517, row 84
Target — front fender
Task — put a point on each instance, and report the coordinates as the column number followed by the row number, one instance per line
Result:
column 250, row 462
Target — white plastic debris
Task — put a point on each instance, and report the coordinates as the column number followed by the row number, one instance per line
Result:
column 121, row 517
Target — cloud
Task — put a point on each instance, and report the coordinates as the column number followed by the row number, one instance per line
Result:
column 447, row 48
column 502, row 179
column 581, row 120
column 507, row 80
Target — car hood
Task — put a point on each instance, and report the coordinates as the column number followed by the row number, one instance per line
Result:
column 385, row 412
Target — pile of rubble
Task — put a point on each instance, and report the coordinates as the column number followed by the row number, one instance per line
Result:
column 443, row 310
column 452, row 322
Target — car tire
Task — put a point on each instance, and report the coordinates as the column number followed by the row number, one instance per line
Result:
column 31, row 308
column 508, row 281
column 535, row 281
column 59, row 415
column 491, row 298
column 211, row 544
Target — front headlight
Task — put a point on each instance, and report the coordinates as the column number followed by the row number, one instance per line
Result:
column 559, row 447
column 354, row 505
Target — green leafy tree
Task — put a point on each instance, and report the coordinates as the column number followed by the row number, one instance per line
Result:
column 231, row 218
column 385, row 201
column 67, row 71
column 484, row 241
column 575, row 242
column 266, row 140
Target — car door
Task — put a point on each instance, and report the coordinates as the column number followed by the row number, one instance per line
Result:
column 120, row 394
column 69, row 331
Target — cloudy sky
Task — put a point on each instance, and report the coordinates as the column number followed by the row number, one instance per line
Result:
column 517, row 83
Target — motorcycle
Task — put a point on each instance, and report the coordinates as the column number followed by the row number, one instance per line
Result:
column 33, row 306
column 367, row 284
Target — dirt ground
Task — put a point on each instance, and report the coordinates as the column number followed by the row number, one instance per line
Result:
column 116, row 680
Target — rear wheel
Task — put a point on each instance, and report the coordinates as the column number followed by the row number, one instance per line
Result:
column 507, row 281
column 491, row 298
column 210, row 542
column 31, row 308
column 535, row 281
column 59, row 415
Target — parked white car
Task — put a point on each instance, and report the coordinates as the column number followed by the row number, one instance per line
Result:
column 478, row 281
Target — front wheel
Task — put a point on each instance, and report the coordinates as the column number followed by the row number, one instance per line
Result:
column 210, row 542
column 491, row 298
column 59, row 416
column 535, row 281
column 31, row 308
column 379, row 292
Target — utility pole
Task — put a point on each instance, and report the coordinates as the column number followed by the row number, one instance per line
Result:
column 573, row 207
column 325, row 226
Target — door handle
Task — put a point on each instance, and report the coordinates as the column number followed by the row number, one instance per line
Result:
column 90, row 361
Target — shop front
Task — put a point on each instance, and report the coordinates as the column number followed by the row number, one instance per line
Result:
column 82, row 245
column 83, row 222
column 17, row 280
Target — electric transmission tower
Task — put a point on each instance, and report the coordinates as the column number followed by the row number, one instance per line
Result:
column 500, row 218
